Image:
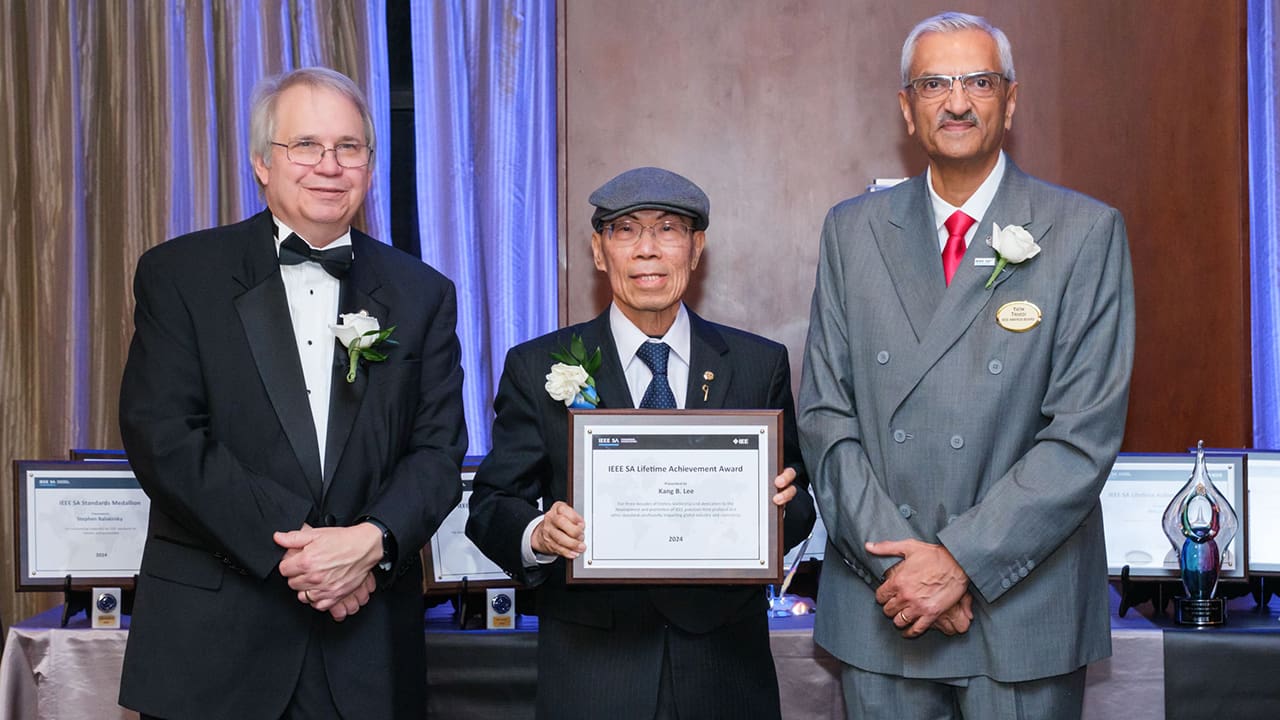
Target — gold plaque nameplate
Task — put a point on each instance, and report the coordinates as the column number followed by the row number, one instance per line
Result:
column 1018, row 316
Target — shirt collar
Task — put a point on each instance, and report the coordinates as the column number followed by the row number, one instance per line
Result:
column 628, row 338
column 977, row 204
column 282, row 232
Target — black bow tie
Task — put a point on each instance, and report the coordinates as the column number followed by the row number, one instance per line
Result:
column 295, row 251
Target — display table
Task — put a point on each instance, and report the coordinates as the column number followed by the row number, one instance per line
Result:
column 74, row 672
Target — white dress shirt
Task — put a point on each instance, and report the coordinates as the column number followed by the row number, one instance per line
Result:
column 975, row 207
column 628, row 338
column 313, row 306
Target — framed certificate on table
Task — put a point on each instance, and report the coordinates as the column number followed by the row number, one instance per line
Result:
column 451, row 560
column 676, row 496
column 1261, row 529
column 85, row 520
column 1134, row 497
column 1259, row 519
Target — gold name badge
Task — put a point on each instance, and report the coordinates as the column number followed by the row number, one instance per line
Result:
column 1018, row 316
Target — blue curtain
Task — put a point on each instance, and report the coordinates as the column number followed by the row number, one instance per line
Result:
column 485, row 132
column 216, row 54
column 1265, row 242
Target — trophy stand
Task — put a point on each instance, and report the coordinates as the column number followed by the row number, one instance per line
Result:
column 1201, row 612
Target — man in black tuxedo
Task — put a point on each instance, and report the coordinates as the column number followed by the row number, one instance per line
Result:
column 289, row 496
column 636, row 651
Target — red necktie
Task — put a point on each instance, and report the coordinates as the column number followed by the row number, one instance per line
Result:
column 957, row 225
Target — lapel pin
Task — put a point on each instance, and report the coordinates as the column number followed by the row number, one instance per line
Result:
column 708, row 376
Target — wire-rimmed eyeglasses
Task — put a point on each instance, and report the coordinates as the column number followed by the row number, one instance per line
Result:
column 309, row 152
column 982, row 84
column 625, row 231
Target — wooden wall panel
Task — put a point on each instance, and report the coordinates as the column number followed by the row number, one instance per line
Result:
column 781, row 109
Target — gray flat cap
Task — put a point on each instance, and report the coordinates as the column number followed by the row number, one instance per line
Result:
column 650, row 188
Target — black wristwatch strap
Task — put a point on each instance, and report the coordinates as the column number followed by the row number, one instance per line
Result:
column 388, row 543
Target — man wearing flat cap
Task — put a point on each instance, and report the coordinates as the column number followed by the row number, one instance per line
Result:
column 636, row 651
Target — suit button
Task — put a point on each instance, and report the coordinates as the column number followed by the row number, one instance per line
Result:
column 957, row 442
column 899, row 436
column 905, row 510
column 1031, row 565
column 1022, row 572
column 994, row 367
column 882, row 357
column 330, row 520
column 1005, row 583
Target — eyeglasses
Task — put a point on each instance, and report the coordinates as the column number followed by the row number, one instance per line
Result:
column 626, row 232
column 981, row 85
column 309, row 152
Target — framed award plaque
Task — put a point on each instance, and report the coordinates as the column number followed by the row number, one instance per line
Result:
column 450, row 560
column 83, row 520
column 681, row 496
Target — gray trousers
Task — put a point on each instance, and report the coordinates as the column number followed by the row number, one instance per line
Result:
column 873, row 696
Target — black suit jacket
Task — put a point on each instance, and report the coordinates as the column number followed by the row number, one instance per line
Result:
column 215, row 419
column 529, row 461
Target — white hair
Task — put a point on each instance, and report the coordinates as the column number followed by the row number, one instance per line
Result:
column 951, row 22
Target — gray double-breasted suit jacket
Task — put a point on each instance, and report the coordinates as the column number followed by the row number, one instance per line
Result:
column 922, row 417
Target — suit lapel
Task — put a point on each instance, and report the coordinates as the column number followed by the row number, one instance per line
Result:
column 967, row 296
column 909, row 246
column 264, row 313
column 709, row 366
column 611, row 381
column 358, row 290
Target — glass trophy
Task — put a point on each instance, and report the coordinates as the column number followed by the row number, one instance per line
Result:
column 1201, row 525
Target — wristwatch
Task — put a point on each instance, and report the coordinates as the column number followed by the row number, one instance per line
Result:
column 388, row 543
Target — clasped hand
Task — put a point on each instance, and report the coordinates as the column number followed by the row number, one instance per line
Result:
column 331, row 568
column 563, row 531
column 928, row 588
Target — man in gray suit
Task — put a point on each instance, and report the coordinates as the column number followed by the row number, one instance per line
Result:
column 965, row 385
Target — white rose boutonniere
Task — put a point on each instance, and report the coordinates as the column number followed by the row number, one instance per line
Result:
column 570, row 380
column 564, row 382
column 1012, row 244
column 361, row 335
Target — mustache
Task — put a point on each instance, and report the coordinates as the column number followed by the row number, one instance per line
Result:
column 968, row 116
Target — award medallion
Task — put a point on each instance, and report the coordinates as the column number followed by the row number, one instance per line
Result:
column 106, row 607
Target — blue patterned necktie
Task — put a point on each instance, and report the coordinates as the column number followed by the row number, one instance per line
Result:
column 658, row 395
